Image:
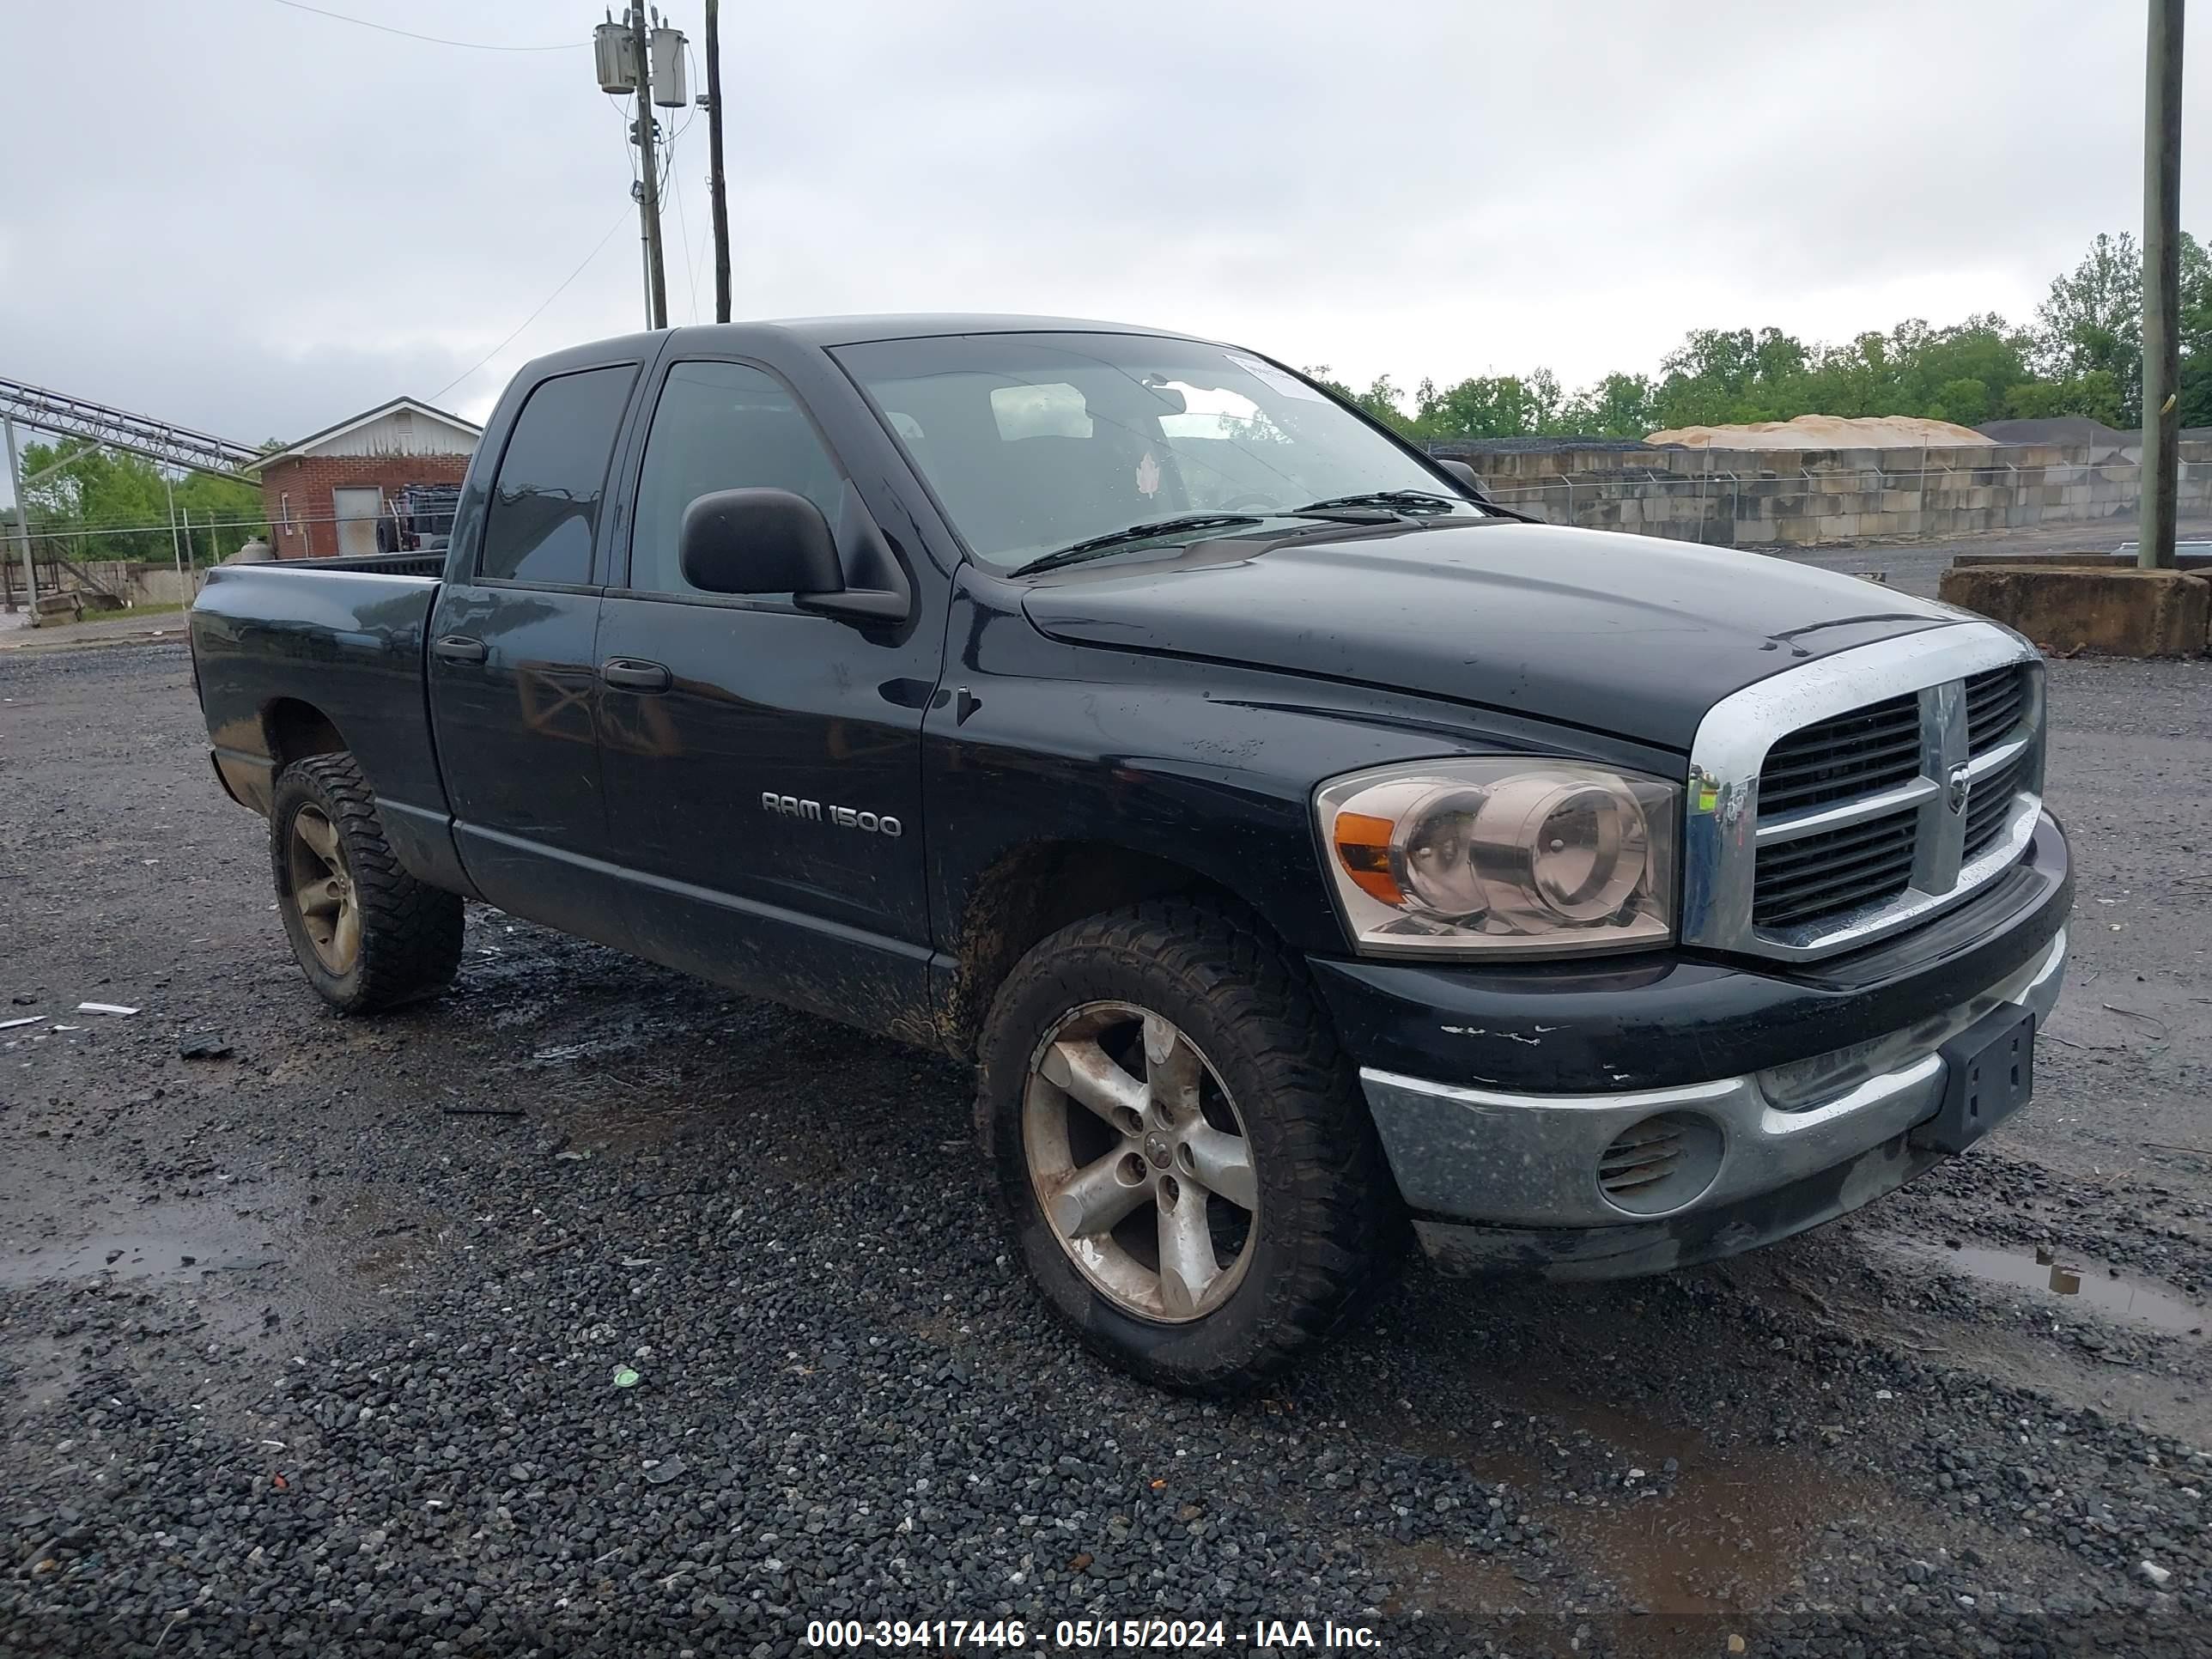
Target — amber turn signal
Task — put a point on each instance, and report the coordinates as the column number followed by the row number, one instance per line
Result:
column 1363, row 848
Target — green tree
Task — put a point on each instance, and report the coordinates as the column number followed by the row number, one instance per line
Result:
column 2096, row 394
column 1966, row 403
column 1386, row 404
column 1382, row 399
column 1720, row 376
column 2194, row 389
column 2090, row 322
column 1862, row 378
column 1984, row 348
column 2082, row 355
column 1489, row 406
column 1618, row 406
column 121, row 500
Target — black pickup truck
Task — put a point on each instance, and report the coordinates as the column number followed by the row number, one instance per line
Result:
column 1300, row 845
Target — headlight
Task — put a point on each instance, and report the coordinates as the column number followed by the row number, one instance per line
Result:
column 1530, row 856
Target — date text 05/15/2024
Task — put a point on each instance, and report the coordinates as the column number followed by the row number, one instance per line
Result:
column 1085, row 1635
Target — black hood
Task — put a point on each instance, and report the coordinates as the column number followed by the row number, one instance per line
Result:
column 1628, row 635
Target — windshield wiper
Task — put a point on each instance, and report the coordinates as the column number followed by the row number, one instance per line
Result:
column 1136, row 533
column 1405, row 501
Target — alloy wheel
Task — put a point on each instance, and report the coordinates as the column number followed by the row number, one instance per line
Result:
column 1140, row 1162
column 323, row 890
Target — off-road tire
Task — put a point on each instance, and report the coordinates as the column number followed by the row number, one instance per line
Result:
column 1330, row 1224
column 411, row 932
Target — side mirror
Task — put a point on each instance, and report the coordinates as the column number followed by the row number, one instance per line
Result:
column 1464, row 475
column 758, row 541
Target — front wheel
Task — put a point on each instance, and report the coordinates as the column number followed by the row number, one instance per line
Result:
column 1190, row 1175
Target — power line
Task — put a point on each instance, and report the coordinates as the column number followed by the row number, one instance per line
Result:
column 435, row 40
column 534, row 315
column 706, row 246
column 667, row 170
column 683, row 229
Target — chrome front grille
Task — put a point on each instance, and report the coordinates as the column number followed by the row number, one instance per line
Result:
column 1847, row 798
column 1802, row 880
column 1992, row 803
column 1838, row 759
column 1994, row 702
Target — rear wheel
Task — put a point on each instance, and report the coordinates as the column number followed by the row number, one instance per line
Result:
column 367, row 934
column 1182, row 1151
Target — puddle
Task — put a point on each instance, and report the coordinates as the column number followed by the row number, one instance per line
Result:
column 1731, row 1529
column 141, row 1252
column 141, row 1277
column 1435, row 1575
column 2100, row 1291
column 1733, row 1533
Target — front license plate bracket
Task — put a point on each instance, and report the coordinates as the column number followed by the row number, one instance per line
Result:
column 1989, row 1073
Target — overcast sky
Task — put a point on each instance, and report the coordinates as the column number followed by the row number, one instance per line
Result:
column 245, row 217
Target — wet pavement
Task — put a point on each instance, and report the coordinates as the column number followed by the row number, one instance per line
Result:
column 320, row 1336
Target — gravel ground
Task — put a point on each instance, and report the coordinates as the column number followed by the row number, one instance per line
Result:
column 304, row 1352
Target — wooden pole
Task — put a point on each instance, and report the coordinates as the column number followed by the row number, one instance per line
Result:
column 2161, row 312
column 716, row 187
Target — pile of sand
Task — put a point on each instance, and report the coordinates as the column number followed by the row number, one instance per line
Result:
column 1824, row 432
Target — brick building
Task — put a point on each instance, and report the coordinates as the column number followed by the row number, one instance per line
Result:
column 326, row 493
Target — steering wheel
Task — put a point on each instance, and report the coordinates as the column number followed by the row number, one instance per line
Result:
column 1250, row 500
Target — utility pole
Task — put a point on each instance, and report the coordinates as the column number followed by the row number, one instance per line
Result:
column 622, row 57
column 2161, row 316
column 715, row 185
column 22, row 521
column 648, row 202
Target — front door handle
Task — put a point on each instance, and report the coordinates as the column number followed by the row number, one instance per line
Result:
column 630, row 674
column 459, row 648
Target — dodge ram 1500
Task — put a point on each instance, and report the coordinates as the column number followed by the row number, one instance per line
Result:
column 1302, row 846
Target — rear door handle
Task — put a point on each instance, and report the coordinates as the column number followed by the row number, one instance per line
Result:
column 459, row 648
column 631, row 675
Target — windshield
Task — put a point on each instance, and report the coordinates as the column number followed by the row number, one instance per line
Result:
column 1035, row 442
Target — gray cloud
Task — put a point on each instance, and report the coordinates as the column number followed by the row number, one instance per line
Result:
column 258, row 220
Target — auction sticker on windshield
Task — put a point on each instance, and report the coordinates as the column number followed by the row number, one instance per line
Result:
column 1268, row 375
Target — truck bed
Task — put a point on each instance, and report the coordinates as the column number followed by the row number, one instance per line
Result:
column 388, row 564
column 273, row 644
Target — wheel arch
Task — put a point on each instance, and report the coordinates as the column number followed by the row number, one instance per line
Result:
column 1033, row 889
column 292, row 729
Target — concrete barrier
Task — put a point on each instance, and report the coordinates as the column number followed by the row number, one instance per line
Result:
column 1804, row 497
column 2124, row 613
column 2189, row 563
column 144, row 581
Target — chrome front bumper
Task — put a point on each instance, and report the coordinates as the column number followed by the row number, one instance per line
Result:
column 1532, row 1161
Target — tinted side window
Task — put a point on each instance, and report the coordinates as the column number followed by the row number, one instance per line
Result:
column 720, row 426
column 545, row 501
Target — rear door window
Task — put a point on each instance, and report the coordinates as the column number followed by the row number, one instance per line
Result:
column 552, row 480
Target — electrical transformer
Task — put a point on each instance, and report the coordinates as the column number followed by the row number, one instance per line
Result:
column 614, row 54
column 670, row 90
